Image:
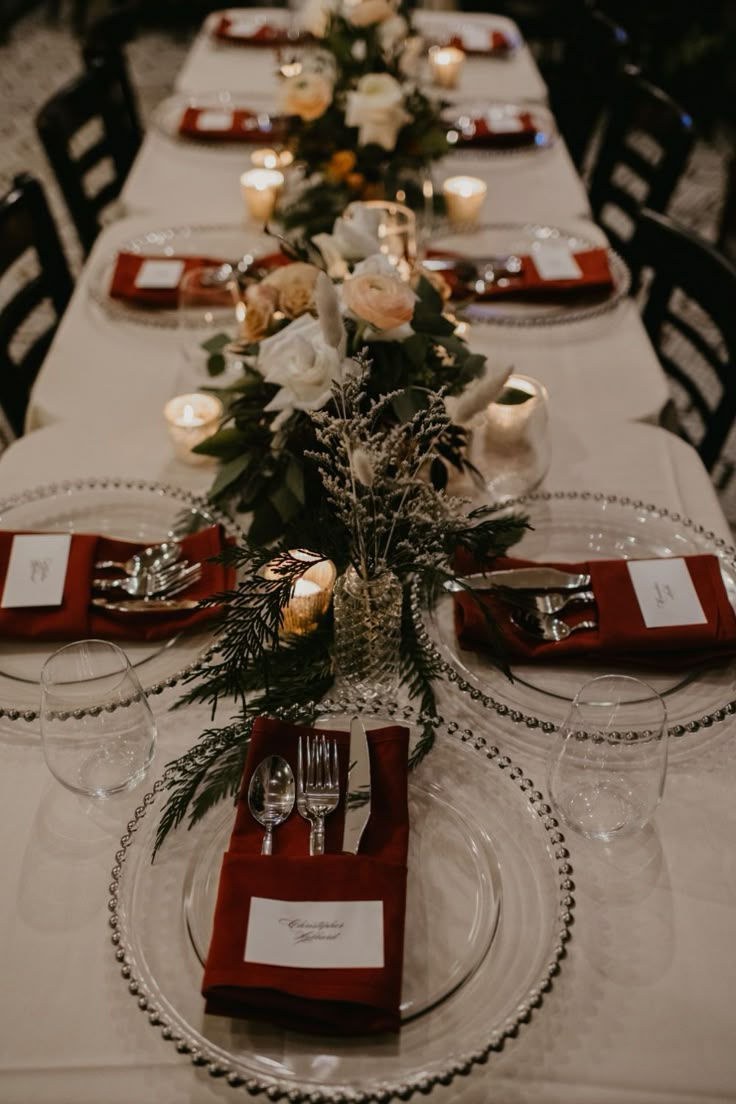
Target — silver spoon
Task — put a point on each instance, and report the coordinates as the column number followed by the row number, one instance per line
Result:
column 153, row 558
column 546, row 627
column 271, row 796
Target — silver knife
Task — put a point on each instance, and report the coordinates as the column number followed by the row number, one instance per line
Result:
column 520, row 578
column 358, row 796
column 147, row 605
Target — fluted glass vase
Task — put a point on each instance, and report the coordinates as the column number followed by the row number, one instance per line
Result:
column 368, row 632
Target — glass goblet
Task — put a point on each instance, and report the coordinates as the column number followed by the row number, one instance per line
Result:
column 607, row 774
column 97, row 729
column 207, row 305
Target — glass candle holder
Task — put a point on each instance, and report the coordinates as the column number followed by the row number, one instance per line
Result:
column 311, row 593
column 515, row 439
column 445, row 65
column 396, row 229
column 464, row 196
column 191, row 419
column 260, row 190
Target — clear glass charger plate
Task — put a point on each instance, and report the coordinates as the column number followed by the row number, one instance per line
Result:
column 128, row 509
column 168, row 115
column 226, row 243
column 488, row 919
column 570, row 527
column 505, row 239
column 461, row 118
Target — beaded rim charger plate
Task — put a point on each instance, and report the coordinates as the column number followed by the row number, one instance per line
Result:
column 570, row 526
column 465, row 797
column 128, row 509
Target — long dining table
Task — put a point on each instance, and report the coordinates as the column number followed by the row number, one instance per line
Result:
column 642, row 1009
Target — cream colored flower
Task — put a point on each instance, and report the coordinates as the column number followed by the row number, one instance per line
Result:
column 391, row 32
column 260, row 303
column 386, row 302
column 308, row 95
column 303, row 366
column 377, row 108
column 295, row 286
column 315, row 15
column 367, row 12
column 412, row 56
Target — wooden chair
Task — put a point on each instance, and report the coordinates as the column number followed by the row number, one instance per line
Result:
column 687, row 290
column 101, row 98
column 27, row 231
column 644, row 150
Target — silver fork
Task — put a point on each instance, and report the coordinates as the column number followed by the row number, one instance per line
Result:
column 178, row 576
column 317, row 786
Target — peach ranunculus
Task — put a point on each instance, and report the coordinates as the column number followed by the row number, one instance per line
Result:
column 368, row 12
column 386, row 302
column 260, row 303
column 308, row 95
column 376, row 107
column 295, row 286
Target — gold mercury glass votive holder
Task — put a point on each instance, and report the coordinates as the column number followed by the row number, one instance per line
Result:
column 191, row 419
column 464, row 197
column 445, row 65
column 311, row 593
column 396, row 229
column 260, row 189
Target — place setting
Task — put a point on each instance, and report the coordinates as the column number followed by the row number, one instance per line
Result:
column 496, row 129
column 254, row 28
column 222, row 121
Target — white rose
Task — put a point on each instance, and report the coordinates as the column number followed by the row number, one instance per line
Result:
column 366, row 13
column 351, row 240
column 300, row 362
column 315, row 15
column 391, row 32
column 377, row 108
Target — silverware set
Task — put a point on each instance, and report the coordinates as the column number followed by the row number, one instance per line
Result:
column 272, row 792
column 534, row 596
column 480, row 275
column 152, row 579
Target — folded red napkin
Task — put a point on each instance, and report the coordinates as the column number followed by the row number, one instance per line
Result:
column 265, row 35
column 498, row 43
column 122, row 285
column 622, row 634
column 75, row 619
column 485, row 137
column 528, row 284
column 244, row 126
column 338, row 1000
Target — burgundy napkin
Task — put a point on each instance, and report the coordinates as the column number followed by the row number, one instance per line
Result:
column 122, row 285
column 74, row 619
column 621, row 634
column 336, row 1000
column 485, row 137
column 596, row 276
column 265, row 35
column 243, row 128
column 498, row 43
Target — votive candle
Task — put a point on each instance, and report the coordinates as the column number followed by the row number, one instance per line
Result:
column 191, row 419
column 445, row 65
column 464, row 196
column 310, row 595
column 260, row 189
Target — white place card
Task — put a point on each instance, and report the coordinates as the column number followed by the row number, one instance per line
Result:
column 502, row 122
column 244, row 28
column 475, row 38
column 555, row 261
column 315, row 934
column 159, row 274
column 36, row 570
column 666, row 593
column 214, row 120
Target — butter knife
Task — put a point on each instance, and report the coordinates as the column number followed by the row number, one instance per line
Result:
column 520, row 578
column 358, row 795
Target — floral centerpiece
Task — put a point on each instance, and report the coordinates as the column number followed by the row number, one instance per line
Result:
column 357, row 122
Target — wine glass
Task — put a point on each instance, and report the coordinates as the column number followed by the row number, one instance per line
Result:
column 607, row 774
column 207, row 306
column 97, row 729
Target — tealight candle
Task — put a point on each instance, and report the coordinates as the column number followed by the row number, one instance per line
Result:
column 445, row 65
column 191, row 419
column 310, row 595
column 271, row 158
column 464, row 197
column 260, row 189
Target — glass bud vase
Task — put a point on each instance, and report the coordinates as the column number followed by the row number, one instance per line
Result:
column 368, row 633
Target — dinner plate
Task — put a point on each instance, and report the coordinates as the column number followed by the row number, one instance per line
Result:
column 461, row 119
column 168, row 115
column 128, row 509
column 506, row 239
column 442, row 27
column 229, row 243
column 466, row 799
column 575, row 526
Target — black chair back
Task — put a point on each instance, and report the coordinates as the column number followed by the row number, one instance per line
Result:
column 103, row 46
column 583, row 86
column 727, row 227
column 101, row 97
column 688, row 299
column 643, row 152
column 26, row 225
